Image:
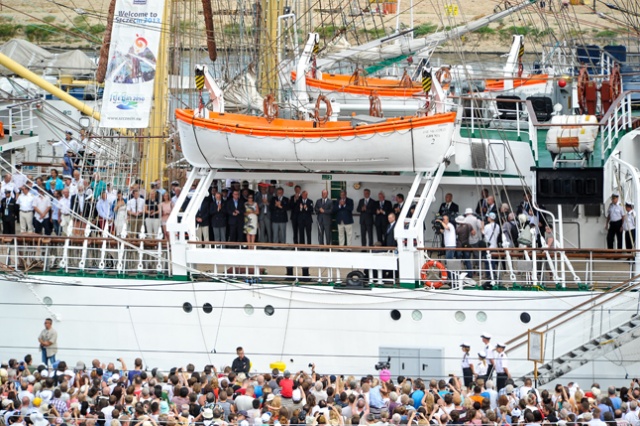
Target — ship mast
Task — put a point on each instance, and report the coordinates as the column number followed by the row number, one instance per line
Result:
column 267, row 49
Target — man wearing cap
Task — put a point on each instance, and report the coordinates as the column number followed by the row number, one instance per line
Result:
column 25, row 203
column 629, row 226
column 67, row 143
column 263, row 198
column 615, row 214
column 42, row 213
column 467, row 367
column 9, row 211
column 486, row 342
column 502, row 367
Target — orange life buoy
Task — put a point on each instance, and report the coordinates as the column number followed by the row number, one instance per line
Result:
column 270, row 107
column 427, row 268
column 323, row 119
column 443, row 75
column 616, row 82
column 375, row 106
column 406, row 81
column 358, row 78
column 1, row 130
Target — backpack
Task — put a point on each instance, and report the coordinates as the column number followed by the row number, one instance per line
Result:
column 524, row 236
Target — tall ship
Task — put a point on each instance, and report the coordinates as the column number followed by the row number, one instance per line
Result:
column 353, row 155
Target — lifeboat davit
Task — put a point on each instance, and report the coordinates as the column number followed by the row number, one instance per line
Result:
column 361, row 144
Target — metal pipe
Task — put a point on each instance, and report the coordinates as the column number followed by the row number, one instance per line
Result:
column 23, row 72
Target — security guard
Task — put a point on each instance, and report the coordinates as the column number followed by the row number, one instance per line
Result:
column 486, row 341
column 615, row 213
column 502, row 367
column 467, row 367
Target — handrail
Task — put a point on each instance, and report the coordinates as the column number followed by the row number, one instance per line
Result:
column 615, row 291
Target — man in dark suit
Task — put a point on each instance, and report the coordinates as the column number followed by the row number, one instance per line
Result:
column 235, row 217
column 397, row 207
column 218, row 218
column 9, row 211
column 367, row 210
column 203, row 218
column 294, row 205
column 324, row 210
column 390, row 239
column 279, row 206
column 343, row 210
column 305, row 218
column 449, row 208
column 383, row 208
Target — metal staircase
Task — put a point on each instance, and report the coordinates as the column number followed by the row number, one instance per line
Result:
column 591, row 350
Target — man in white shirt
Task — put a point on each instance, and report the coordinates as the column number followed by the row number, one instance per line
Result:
column 67, row 143
column 105, row 214
column 629, row 225
column 65, row 211
column 7, row 184
column 25, row 203
column 135, row 211
column 502, row 366
column 613, row 224
column 42, row 211
column 19, row 179
column 632, row 414
column 449, row 235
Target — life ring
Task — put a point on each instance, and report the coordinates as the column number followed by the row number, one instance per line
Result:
column 270, row 107
column 316, row 115
column 1, row 130
column 405, row 81
column 375, row 106
column 520, row 69
column 583, row 79
column 429, row 266
column 358, row 78
column 616, row 82
column 443, row 75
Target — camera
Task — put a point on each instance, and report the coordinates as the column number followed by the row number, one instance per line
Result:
column 310, row 365
column 435, row 224
column 383, row 365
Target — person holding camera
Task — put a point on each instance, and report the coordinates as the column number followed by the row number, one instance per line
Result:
column 449, row 233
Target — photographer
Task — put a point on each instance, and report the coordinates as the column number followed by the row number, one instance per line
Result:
column 449, row 233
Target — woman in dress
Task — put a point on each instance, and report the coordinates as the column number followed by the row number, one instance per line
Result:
column 251, row 219
column 165, row 210
column 120, row 210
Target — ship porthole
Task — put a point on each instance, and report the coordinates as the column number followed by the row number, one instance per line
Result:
column 187, row 307
column 416, row 315
column 47, row 301
column 207, row 308
column 248, row 309
column 460, row 316
column 395, row 315
column 269, row 310
column 481, row 316
column 525, row 318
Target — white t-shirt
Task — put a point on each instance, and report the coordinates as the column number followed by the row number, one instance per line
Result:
column 25, row 201
column 491, row 233
column 449, row 235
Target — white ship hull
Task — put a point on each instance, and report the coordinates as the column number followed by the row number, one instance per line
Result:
column 342, row 331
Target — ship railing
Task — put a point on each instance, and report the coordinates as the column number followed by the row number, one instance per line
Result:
column 85, row 255
column 20, row 119
column 329, row 264
column 582, row 325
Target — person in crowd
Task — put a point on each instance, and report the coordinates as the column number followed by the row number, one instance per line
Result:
column 251, row 212
column 397, row 207
column 305, row 218
column 10, row 212
column 449, row 208
column 475, row 235
column 55, row 212
column 466, row 364
column 81, row 208
column 383, row 208
column 54, row 183
column 481, row 207
column 235, row 217
column 294, row 201
column 502, row 367
column 42, row 213
column 218, row 218
column 165, row 208
column 135, row 212
column 279, row 218
column 19, row 179
column 69, row 163
column 324, row 211
column 7, row 184
column 25, row 204
column 105, row 213
column 64, row 202
column 263, row 198
column 48, row 340
column 367, row 210
column 613, row 224
column 241, row 364
column 121, row 213
column 629, row 225
column 449, row 233
column 152, row 213
column 343, row 210
column 491, row 232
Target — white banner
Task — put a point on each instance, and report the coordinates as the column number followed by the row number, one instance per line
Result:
column 128, row 90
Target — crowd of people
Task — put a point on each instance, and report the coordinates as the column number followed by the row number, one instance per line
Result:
column 110, row 394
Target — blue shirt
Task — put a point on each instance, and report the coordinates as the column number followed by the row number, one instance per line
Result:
column 616, row 401
column 375, row 398
column 417, row 396
column 257, row 390
column 58, row 184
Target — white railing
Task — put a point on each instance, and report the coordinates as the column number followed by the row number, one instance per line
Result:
column 616, row 122
column 21, row 118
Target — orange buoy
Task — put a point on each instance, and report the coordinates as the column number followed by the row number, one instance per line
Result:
column 429, row 267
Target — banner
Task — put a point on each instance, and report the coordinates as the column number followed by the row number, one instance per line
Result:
column 131, row 71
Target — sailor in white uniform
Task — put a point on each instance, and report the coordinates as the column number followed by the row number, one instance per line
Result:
column 488, row 350
column 467, row 367
column 501, row 366
column 482, row 366
column 629, row 225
